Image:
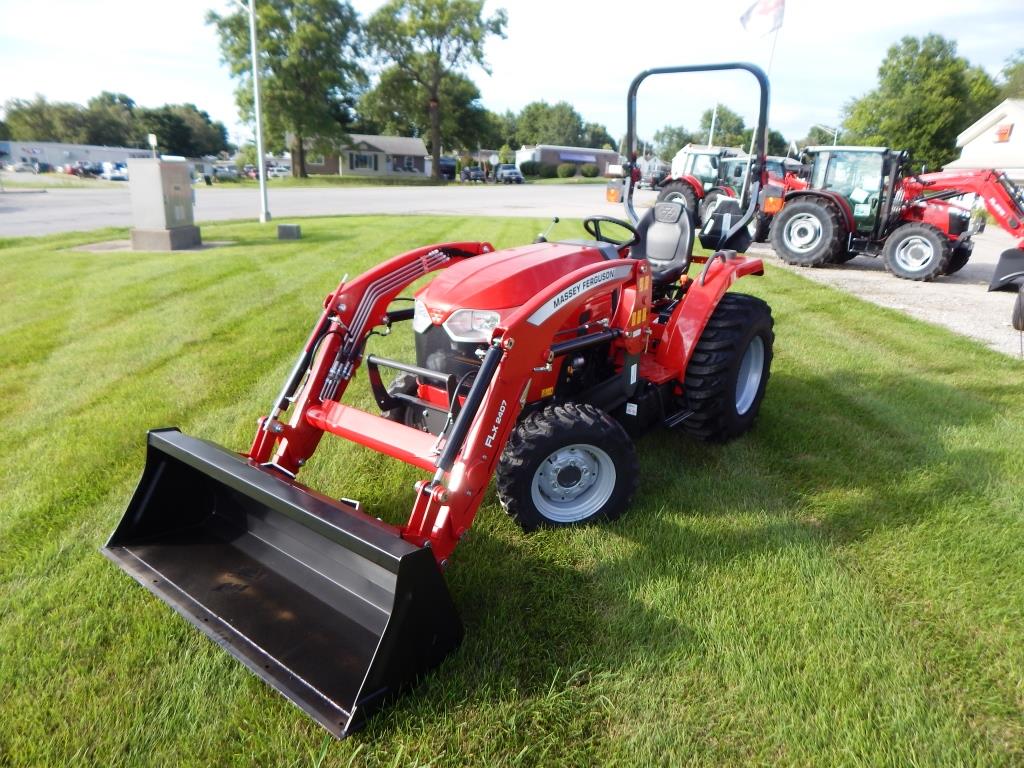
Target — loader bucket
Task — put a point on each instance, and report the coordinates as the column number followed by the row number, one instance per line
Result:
column 1009, row 270
column 331, row 607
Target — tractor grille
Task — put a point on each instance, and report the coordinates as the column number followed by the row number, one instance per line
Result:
column 436, row 351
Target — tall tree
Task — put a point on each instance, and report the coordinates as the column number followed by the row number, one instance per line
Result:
column 1013, row 76
column 309, row 71
column 399, row 106
column 926, row 95
column 669, row 140
column 543, row 123
column 428, row 39
column 729, row 127
column 595, row 135
column 110, row 120
column 42, row 120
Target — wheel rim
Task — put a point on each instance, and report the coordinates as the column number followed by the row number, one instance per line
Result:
column 914, row 253
column 573, row 483
column 803, row 232
column 748, row 381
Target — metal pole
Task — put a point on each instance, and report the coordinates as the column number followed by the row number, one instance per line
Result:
column 711, row 133
column 261, row 165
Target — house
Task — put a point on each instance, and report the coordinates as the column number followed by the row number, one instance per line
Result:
column 366, row 155
column 996, row 140
column 551, row 154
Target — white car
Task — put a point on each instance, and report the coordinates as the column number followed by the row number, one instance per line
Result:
column 279, row 172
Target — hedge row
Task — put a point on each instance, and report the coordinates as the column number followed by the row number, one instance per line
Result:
column 562, row 170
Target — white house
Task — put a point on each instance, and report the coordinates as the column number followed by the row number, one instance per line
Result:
column 996, row 140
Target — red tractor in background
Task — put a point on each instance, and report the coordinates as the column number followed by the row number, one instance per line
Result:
column 535, row 365
column 703, row 175
column 860, row 201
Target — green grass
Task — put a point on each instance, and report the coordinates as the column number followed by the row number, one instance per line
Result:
column 59, row 181
column 840, row 587
column 573, row 180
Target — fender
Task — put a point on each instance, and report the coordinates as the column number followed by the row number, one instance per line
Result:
column 693, row 181
column 840, row 202
column 526, row 337
column 690, row 318
column 727, row 191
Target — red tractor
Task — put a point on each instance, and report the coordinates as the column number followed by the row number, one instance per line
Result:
column 535, row 365
column 860, row 202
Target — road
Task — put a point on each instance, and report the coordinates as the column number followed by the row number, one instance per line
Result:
column 27, row 212
column 959, row 302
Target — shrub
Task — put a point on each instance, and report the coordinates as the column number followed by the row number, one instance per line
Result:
column 589, row 170
column 566, row 170
column 548, row 171
column 530, row 168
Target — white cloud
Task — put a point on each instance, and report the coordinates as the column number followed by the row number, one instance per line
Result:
column 583, row 53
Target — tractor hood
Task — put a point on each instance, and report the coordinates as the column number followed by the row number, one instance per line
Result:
column 507, row 278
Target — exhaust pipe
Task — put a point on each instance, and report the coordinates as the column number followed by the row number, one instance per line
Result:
column 332, row 608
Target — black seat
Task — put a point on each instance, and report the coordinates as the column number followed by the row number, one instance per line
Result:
column 665, row 235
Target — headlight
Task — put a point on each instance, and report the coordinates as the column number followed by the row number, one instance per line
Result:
column 420, row 317
column 471, row 324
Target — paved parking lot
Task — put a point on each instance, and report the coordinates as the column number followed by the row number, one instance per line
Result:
column 959, row 302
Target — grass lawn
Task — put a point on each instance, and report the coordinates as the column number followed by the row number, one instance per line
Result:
column 332, row 181
column 843, row 586
column 573, row 180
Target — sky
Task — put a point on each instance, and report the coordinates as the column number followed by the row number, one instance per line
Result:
column 825, row 54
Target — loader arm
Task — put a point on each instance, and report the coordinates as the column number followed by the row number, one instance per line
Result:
column 1003, row 199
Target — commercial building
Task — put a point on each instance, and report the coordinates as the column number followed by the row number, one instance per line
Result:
column 551, row 154
column 55, row 154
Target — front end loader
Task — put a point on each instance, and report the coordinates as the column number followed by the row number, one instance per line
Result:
column 536, row 365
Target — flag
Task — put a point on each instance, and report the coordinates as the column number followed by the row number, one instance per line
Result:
column 763, row 17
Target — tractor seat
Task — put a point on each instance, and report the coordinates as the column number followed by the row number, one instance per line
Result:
column 665, row 240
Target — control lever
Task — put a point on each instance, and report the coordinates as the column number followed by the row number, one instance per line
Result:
column 543, row 236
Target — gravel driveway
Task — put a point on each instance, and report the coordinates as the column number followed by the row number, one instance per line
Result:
column 960, row 302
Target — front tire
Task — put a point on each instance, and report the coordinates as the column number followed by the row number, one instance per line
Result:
column 728, row 372
column 759, row 227
column 681, row 192
column 808, row 233
column 959, row 258
column 710, row 202
column 567, row 464
column 917, row 252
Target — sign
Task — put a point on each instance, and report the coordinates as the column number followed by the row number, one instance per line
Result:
column 494, row 159
column 152, row 140
column 1003, row 133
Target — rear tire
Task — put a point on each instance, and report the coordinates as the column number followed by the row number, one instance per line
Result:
column 726, row 378
column 759, row 227
column 681, row 192
column 808, row 233
column 961, row 255
column 917, row 252
column 567, row 464
column 710, row 202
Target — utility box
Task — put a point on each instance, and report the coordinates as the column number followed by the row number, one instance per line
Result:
column 162, row 205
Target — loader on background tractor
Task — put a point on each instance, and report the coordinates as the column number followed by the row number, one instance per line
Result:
column 861, row 201
column 534, row 364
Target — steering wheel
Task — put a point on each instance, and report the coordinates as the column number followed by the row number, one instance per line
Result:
column 593, row 226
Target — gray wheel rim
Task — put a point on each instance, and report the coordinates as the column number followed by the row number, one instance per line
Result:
column 573, row 483
column 914, row 253
column 748, row 381
column 803, row 233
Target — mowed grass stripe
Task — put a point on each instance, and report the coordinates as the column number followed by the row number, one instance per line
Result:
column 839, row 587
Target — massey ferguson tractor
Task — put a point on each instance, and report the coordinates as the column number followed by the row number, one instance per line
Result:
column 536, row 365
column 701, row 176
column 860, row 201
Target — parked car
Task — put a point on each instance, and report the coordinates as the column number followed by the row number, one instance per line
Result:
column 508, row 174
column 21, row 167
column 447, row 168
column 476, row 173
column 279, row 172
column 225, row 172
column 115, row 172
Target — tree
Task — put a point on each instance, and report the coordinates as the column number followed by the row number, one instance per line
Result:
column 926, row 95
column 310, row 77
column 110, row 120
column 595, row 135
column 429, row 39
column 506, row 155
column 40, row 120
column 729, row 128
column 171, row 130
column 5, row 131
column 1013, row 76
column 669, row 140
column 507, row 128
column 399, row 106
column 208, row 137
column 543, row 123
